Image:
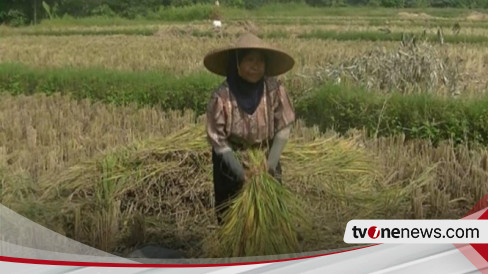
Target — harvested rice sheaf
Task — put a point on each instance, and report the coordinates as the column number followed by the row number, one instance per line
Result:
column 161, row 192
column 261, row 219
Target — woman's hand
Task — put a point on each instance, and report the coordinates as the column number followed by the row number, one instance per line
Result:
column 234, row 164
column 272, row 172
column 247, row 175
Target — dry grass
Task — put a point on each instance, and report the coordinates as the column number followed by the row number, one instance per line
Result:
column 152, row 191
column 477, row 16
column 115, row 212
column 115, row 52
column 410, row 15
column 160, row 191
column 453, row 177
column 449, row 70
column 141, row 53
column 100, row 190
column 173, row 53
column 412, row 68
column 48, row 133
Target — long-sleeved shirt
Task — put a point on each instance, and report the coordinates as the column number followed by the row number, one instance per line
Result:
column 228, row 126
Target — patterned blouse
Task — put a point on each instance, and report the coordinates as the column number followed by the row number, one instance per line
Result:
column 230, row 126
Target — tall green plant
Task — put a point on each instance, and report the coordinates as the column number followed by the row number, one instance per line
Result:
column 51, row 11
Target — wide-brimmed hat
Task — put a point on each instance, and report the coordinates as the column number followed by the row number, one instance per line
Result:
column 277, row 61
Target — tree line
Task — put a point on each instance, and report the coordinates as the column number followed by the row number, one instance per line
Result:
column 21, row 12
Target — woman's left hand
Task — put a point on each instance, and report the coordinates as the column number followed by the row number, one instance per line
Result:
column 272, row 171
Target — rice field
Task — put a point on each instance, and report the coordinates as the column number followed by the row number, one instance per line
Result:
column 171, row 51
column 120, row 176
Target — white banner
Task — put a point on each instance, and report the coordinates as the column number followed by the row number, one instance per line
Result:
column 416, row 231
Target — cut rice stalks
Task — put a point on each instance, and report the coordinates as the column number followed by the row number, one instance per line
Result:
column 168, row 183
column 263, row 217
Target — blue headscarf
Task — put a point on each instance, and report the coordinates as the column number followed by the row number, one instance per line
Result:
column 247, row 94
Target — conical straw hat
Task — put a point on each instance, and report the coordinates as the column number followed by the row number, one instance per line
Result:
column 277, row 61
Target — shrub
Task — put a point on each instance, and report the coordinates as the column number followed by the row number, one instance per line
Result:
column 186, row 13
column 103, row 10
column 16, row 18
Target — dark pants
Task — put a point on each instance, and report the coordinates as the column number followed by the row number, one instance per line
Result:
column 226, row 184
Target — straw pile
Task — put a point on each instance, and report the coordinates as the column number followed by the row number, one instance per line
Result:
column 159, row 188
column 160, row 192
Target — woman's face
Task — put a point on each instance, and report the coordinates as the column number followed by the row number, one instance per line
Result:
column 252, row 66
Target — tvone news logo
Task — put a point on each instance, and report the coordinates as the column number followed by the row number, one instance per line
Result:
column 374, row 232
column 407, row 231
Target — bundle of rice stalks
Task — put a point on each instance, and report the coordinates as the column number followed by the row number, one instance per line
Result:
column 261, row 219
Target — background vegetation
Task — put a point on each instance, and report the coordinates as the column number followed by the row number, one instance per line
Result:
column 21, row 12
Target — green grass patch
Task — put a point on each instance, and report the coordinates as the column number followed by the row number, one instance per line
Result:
column 303, row 10
column 142, row 31
column 371, row 21
column 443, row 12
column 94, row 21
column 341, row 108
column 417, row 115
column 350, row 35
column 393, row 36
column 431, row 23
column 142, row 88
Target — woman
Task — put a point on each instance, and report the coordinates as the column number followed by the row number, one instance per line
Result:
column 249, row 109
